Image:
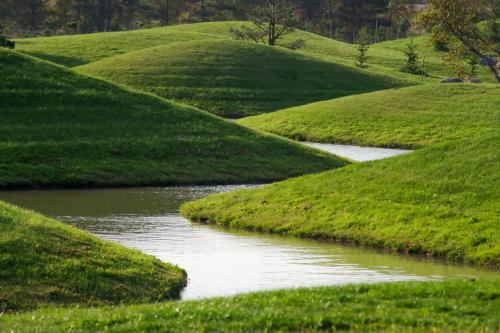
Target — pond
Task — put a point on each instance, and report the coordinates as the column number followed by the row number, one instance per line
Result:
column 223, row 262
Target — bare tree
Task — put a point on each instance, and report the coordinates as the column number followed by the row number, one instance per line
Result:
column 272, row 21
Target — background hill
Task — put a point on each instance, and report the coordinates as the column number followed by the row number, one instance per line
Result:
column 236, row 78
column 411, row 117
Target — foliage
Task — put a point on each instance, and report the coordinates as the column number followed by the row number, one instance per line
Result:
column 4, row 42
column 458, row 20
column 363, row 41
column 463, row 62
column 61, row 17
column 412, row 64
column 418, row 307
column 43, row 261
column 63, row 129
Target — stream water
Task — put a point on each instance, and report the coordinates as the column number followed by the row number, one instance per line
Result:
column 357, row 153
column 221, row 262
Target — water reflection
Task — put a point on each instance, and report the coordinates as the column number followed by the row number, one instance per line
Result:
column 221, row 262
column 357, row 153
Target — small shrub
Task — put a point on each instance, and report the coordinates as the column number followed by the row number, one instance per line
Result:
column 363, row 41
column 412, row 65
column 4, row 42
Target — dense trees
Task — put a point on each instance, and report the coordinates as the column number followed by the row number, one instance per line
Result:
column 341, row 19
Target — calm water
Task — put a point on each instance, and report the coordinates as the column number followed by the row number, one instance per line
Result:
column 357, row 153
column 221, row 262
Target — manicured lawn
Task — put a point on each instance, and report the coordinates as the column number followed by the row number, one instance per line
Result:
column 386, row 58
column 43, row 261
column 412, row 117
column 77, row 50
column 440, row 201
column 235, row 78
column 63, row 129
column 451, row 306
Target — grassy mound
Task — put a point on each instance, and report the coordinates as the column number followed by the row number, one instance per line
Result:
column 440, row 201
column 77, row 50
column 62, row 129
column 43, row 261
column 412, row 117
column 385, row 58
column 235, row 78
column 451, row 306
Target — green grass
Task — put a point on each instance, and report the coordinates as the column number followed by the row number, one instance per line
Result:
column 43, row 261
column 385, row 58
column 441, row 201
column 77, row 50
column 412, row 117
column 451, row 306
column 63, row 129
column 235, row 78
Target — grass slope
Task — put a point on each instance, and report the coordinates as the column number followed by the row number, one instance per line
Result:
column 385, row 58
column 441, row 201
column 75, row 50
column 412, row 117
column 43, row 261
column 62, row 129
column 235, row 78
column 451, row 306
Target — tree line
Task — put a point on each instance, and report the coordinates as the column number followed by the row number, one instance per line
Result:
column 339, row 19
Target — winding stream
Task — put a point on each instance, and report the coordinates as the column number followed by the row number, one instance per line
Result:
column 357, row 153
column 220, row 262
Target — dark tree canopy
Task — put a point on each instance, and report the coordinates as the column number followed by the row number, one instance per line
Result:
column 341, row 19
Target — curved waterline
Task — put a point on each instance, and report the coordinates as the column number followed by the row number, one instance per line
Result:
column 221, row 262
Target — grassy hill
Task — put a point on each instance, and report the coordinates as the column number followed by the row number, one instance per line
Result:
column 235, row 78
column 451, row 306
column 386, row 58
column 63, row 129
column 441, row 201
column 43, row 261
column 77, row 50
column 412, row 117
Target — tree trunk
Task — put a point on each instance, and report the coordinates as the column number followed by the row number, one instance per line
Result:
column 272, row 31
column 492, row 66
column 78, row 16
column 33, row 15
column 167, row 13
column 203, row 14
column 331, row 16
column 272, row 24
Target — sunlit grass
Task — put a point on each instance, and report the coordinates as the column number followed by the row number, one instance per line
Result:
column 234, row 78
column 451, row 306
column 63, row 129
column 413, row 117
column 440, row 201
column 43, row 261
